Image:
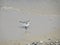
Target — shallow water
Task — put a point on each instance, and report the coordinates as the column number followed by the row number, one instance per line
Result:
column 44, row 16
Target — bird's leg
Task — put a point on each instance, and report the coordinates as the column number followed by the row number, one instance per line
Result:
column 26, row 27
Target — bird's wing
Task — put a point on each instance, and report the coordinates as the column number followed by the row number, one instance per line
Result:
column 25, row 21
column 21, row 22
column 24, row 24
column 28, row 21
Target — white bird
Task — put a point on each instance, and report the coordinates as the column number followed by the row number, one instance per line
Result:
column 25, row 24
